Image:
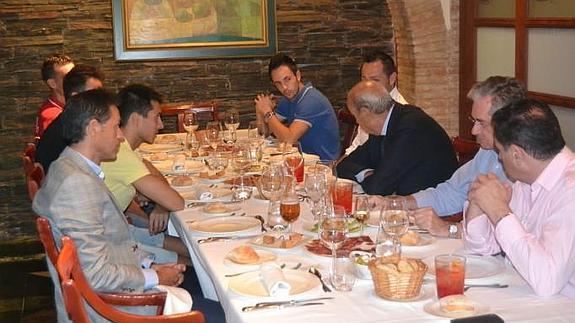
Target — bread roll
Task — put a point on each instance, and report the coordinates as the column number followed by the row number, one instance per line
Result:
column 456, row 305
column 244, row 255
column 411, row 238
column 182, row 180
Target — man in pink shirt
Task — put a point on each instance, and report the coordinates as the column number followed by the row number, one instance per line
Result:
column 54, row 69
column 533, row 220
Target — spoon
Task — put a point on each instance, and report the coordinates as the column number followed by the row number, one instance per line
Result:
column 468, row 286
column 314, row 271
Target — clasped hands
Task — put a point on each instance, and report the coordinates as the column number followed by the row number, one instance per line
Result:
column 171, row 274
column 264, row 104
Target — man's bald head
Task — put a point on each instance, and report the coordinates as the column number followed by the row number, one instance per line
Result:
column 369, row 95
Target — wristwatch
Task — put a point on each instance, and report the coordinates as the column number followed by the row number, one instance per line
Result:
column 268, row 116
column 453, row 231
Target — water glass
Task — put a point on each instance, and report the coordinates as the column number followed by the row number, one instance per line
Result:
column 232, row 120
column 343, row 276
column 362, row 210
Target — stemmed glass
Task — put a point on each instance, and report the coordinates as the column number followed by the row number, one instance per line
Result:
column 212, row 134
column 241, row 161
column 190, row 125
column 393, row 223
column 293, row 159
column 333, row 231
column 232, row 120
column 289, row 204
column 271, row 185
column 315, row 188
column 362, row 209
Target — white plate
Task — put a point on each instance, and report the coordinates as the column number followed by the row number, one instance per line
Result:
column 263, row 254
column 258, row 241
column 433, row 308
column 160, row 148
column 225, row 225
column 250, row 284
column 168, row 139
column 229, row 209
column 219, row 194
column 475, row 266
column 426, row 240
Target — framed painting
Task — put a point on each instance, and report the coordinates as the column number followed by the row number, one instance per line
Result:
column 179, row 29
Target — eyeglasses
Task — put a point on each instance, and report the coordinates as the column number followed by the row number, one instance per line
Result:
column 476, row 122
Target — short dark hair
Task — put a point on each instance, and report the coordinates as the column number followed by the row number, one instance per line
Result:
column 280, row 59
column 81, row 109
column 75, row 80
column 136, row 98
column 378, row 55
column 50, row 61
column 531, row 125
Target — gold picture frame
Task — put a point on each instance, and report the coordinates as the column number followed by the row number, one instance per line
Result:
column 179, row 29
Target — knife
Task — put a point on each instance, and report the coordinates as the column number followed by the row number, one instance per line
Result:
column 293, row 301
column 277, row 306
column 226, row 238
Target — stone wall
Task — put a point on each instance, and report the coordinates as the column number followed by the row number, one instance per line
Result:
column 328, row 35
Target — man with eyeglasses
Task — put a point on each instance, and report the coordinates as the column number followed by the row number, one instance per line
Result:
column 308, row 114
column 448, row 197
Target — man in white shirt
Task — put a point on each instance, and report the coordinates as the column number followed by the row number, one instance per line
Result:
column 380, row 68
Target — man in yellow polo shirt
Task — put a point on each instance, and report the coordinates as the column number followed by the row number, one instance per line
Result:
column 129, row 175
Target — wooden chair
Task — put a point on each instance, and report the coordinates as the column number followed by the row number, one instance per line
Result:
column 34, row 178
column 348, row 125
column 30, row 151
column 205, row 111
column 464, row 149
column 76, row 290
column 150, row 299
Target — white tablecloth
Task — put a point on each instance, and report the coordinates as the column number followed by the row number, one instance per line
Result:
column 517, row 303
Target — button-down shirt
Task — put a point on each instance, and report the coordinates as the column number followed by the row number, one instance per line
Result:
column 538, row 236
column 448, row 197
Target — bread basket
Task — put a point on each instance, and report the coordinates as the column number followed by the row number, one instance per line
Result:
column 397, row 279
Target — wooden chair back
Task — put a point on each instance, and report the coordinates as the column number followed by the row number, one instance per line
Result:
column 34, row 180
column 348, row 126
column 205, row 111
column 30, row 151
column 464, row 149
column 149, row 299
column 75, row 290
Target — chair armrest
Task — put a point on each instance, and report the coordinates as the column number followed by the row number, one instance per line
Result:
column 150, row 299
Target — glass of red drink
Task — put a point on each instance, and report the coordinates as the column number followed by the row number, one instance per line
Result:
column 449, row 274
column 342, row 194
column 294, row 164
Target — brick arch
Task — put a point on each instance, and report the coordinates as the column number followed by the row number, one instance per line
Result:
column 427, row 54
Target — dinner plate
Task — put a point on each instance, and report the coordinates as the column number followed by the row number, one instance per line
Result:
column 211, row 209
column 225, row 225
column 167, row 139
column 218, row 194
column 250, row 284
column 475, row 266
column 434, row 308
column 425, row 240
column 264, row 255
column 160, row 148
column 276, row 245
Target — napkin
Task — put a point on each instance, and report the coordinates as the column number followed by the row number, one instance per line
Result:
column 179, row 165
column 204, row 194
column 178, row 300
column 274, row 280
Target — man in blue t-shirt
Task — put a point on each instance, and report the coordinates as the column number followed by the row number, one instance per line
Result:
column 309, row 116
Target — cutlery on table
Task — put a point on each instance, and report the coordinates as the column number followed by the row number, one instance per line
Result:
column 226, row 238
column 283, row 304
column 314, row 271
column 261, row 219
column 468, row 286
column 282, row 266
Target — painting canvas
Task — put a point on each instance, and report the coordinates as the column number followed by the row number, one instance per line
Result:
column 157, row 29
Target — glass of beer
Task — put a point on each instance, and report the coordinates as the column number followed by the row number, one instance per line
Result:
column 449, row 274
column 289, row 204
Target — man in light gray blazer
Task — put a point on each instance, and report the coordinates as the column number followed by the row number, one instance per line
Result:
column 78, row 204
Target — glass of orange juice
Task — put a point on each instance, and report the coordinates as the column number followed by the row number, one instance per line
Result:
column 449, row 274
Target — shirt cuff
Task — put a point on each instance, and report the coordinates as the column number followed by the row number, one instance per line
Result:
column 361, row 175
column 147, row 262
column 150, row 278
column 508, row 230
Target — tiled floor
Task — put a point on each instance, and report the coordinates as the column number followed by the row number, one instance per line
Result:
column 26, row 293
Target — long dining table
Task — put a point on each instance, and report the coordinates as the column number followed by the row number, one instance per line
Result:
column 516, row 303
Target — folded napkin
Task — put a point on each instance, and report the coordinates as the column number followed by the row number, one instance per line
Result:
column 178, row 300
column 274, row 280
column 179, row 165
column 204, row 193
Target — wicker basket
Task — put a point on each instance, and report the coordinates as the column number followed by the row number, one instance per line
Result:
column 393, row 283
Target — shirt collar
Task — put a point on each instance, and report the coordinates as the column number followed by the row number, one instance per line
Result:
column 306, row 87
column 56, row 103
column 94, row 167
column 386, row 123
column 554, row 171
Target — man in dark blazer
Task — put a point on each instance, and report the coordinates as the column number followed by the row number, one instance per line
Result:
column 406, row 151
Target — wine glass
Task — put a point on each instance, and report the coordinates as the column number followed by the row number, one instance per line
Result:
column 232, row 120
column 212, row 134
column 241, row 161
column 394, row 223
column 293, row 159
column 362, row 209
column 333, row 231
column 289, row 204
column 315, row 188
column 190, row 122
